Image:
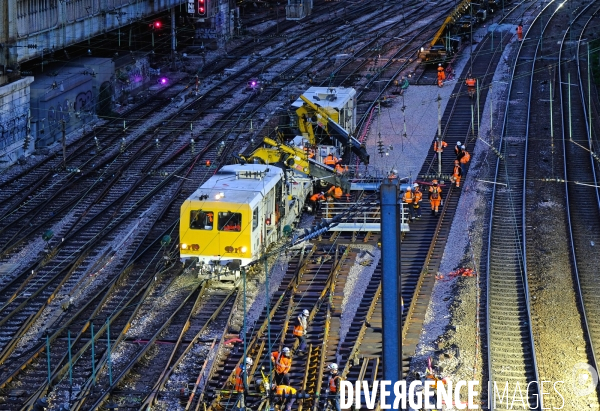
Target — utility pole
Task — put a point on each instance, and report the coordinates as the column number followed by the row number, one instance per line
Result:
column 64, row 141
column 173, row 39
column 439, row 136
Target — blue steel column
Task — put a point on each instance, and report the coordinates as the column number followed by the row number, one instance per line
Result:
column 391, row 287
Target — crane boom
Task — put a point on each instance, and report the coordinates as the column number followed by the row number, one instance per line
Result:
column 297, row 159
column 335, row 131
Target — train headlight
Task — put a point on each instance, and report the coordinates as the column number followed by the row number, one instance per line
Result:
column 218, row 197
column 244, row 249
column 184, row 246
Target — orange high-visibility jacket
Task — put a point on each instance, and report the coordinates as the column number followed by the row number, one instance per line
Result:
column 442, row 146
column 334, row 383
column 282, row 363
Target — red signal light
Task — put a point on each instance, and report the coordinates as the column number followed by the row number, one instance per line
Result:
column 202, row 8
column 157, row 24
column 207, row 163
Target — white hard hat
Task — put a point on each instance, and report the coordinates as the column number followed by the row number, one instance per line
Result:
column 333, row 366
column 458, row 143
column 415, row 185
column 463, row 147
column 408, row 188
column 286, row 351
column 249, row 361
column 305, row 313
column 440, row 64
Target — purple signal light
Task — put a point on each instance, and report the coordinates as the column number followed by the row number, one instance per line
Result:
column 163, row 81
column 253, row 83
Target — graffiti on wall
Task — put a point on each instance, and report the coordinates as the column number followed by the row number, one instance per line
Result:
column 130, row 77
column 13, row 130
column 206, row 33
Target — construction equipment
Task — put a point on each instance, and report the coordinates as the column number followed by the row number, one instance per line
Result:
column 296, row 158
column 333, row 111
column 443, row 44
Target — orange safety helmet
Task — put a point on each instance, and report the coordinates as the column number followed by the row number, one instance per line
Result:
column 434, row 182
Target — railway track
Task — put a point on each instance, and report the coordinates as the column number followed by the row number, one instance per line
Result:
column 424, row 245
column 142, row 378
column 309, row 283
column 581, row 168
column 510, row 338
column 318, row 354
column 68, row 265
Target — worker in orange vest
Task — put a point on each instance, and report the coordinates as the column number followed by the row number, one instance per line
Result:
column 330, row 160
column 286, row 396
column 333, row 390
column 315, row 201
column 335, row 192
column 418, row 196
column 441, row 75
column 457, row 173
column 240, row 377
column 464, row 155
column 471, row 83
column 408, row 198
column 282, row 363
column 520, row 31
column 435, row 197
column 439, row 148
column 300, row 330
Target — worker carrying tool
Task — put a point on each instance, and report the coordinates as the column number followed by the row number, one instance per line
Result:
column 333, row 390
column 408, row 198
column 282, row 362
column 457, row 173
column 300, row 330
column 315, row 202
column 471, row 83
column 435, row 197
column 441, row 75
column 520, row 31
column 418, row 196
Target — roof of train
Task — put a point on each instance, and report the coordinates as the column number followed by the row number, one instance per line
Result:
column 240, row 183
column 334, row 97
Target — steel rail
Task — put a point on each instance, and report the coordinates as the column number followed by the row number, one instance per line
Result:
column 581, row 185
column 509, row 334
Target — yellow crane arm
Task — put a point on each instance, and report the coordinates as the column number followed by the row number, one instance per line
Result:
column 450, row 19
column 332, row 128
